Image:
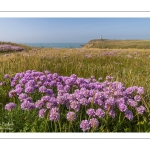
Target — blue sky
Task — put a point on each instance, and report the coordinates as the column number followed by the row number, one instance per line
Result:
column 72, row 30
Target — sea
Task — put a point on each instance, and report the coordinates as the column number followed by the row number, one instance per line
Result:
column 55, row 45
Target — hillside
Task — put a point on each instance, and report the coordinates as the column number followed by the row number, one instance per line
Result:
column 12, row 47
column 119, row 44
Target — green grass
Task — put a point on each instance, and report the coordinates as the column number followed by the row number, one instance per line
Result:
column 119, row 44
column 131, row 67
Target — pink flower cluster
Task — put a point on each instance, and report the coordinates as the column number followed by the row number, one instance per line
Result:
column 74, row 93
column 6, row 47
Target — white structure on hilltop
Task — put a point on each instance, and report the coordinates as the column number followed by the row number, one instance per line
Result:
column 101, row 37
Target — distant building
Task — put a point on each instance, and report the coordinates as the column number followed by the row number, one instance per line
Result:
column 101, row 37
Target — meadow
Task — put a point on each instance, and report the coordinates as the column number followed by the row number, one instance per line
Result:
column 105, row 72
column 121, row 44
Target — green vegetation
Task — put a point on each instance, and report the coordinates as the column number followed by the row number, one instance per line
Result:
column 130, row 66
column 118, row 44
column 25, row 47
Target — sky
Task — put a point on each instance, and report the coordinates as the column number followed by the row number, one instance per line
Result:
column 72, row 30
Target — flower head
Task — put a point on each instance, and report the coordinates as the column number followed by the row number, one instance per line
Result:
column 75, row 105
column 91, row 112
column 112, row 113
column 71, row 116
column 137, row 98
column 26, row 105
column 94, row 123
column 140, row 90
column 140, row 109
column 85, row 125
column 42, row 112
column 29, row 89
column 10, row 106
column 39, row 104
column 132, row 103
column 122, row 107
column 54, row 114
column 6, row 76
column 12, row 93
column 100, row 113
column 23, row 96
column 129, row 114
column 42, row 89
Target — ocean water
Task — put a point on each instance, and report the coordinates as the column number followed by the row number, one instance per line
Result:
column 56, row 45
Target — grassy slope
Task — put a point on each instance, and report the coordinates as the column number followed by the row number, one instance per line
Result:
column 25, row 47
column 131, row 67
column 119, row 44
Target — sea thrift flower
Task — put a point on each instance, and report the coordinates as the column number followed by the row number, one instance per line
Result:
column 29, row 89
column 100, row 113
column 66, row 88
column 71, row 116
column 60, row 87
column 129, row 114
column 43, row 77
column 90, row 100
column 21, row 75
column 75, row 105
column 22, row 96
column 112, row 113
column 99, row 102
column 85, row 125
column 22, row 81
column 74, row 92
column 18, row 86
column 39, row 104
column 120, row 101
column 137, row 98
column 28, row 99
column 55, row 75
column 10, row 106
column 140, row 109
column 140, row 90
column 13, row 83
column 26, row 105
column 130, row 90
column 42, row 89
column 94, row 123
column 91, row 112
column 19, row 90
column 83, row 101
column 61, row 100
column 49, row 92
column 41, row 113
column 6, row 47
column 46, row 98
column 54, row 114
column 110, row 101
column 100, row 78
column 122, row 107
column 49, row 105
column 132, row 103
column 6, row 76
column 31, row 83
column 12, row 93
column 39, row 83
